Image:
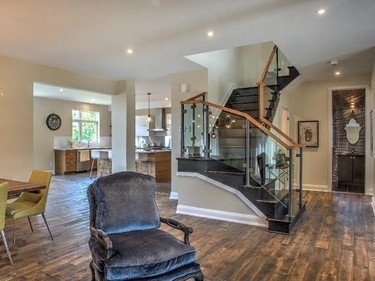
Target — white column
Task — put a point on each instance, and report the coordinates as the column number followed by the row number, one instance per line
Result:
column 123, row 127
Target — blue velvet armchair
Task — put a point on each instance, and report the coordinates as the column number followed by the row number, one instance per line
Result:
column 125, row 240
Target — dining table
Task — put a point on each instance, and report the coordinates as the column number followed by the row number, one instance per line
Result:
column 15, row 188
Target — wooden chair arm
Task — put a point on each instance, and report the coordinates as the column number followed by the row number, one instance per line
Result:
column 103, row 239
column 180, row 226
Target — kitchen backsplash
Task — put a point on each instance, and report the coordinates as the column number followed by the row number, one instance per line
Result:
column 60, row 142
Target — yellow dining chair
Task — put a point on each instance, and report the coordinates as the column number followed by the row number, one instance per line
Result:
column 3, row 201
column 31, row 204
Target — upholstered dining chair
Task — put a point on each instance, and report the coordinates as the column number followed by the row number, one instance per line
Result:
column 3, row 201
column 126, row 242
column 31, row 204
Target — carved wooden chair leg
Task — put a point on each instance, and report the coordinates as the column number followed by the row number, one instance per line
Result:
column 92, row 271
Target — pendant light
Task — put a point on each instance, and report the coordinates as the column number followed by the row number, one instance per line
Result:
column 149, row 116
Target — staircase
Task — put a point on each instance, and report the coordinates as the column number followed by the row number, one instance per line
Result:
column 247, row 99
column 238, row 157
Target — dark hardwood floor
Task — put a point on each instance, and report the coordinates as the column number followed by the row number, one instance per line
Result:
column 335, row 241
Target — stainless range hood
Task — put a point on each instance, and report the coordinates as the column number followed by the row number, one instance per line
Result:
column 159, row 121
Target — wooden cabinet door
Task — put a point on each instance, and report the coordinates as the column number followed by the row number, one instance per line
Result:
column 345, row 168
column 358, row 169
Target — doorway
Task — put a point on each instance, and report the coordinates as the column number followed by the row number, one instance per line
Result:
column 348, row 152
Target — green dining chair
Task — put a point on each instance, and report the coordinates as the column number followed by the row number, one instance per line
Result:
column 31, row 204
column 3, row 201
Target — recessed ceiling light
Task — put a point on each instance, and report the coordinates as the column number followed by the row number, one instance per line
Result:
column 321, row 11
column 61, row 90
column 210, row 33
column 166, row 98
column 337, row 73
column 129, row 51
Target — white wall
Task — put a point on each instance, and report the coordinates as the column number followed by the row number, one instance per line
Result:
column 16, row 109
column 44, row 137
column 236, row 67
column 123, row 127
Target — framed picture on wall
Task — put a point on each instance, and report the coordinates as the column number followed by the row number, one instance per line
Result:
column 308, row 133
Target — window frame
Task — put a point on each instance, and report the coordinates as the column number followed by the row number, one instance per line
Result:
column 81, row 121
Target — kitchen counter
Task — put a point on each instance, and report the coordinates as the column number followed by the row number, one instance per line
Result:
column 152, row 151
column 68, row 160
column 82, row 148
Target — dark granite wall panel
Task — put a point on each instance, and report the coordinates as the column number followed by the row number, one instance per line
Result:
column 342, row 113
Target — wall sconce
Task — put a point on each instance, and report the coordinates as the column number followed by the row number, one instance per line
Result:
column 1, row 93
column 148, row 116
column 352, row 106
column 213, row 135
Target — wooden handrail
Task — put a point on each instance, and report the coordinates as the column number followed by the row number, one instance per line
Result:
column 261, row 102
column 244, row 115
column 294, row 145
column 264, row 120
column 268, row 64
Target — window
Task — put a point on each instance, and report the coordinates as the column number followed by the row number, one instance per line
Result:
column 85, row 125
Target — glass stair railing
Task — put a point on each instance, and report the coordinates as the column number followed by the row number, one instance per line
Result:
column 244, row 150
column 238, row 146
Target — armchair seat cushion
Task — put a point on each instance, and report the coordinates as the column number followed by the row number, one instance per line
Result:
column 142, row 254
column 18, row 206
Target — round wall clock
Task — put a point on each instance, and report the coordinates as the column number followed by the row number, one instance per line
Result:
column 53, row 121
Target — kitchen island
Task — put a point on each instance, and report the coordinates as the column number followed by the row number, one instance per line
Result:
column 156, row 163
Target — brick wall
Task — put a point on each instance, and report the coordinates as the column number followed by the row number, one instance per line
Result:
column 342, row 113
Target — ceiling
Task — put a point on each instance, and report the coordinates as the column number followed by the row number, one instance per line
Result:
column 92, row 36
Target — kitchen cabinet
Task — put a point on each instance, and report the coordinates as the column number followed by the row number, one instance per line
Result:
column 141, row 126
column 351, row 173
column 65, row 161
column 155, row 163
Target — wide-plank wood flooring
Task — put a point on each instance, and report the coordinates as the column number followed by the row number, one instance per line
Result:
column 335, row 241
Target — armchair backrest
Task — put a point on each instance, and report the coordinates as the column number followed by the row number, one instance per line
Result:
column 3, row 203
column 41, row 177
column 123, row 202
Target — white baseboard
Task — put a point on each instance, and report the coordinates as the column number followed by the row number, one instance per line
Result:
column 314, row 187
column 221, row 215
column 173, row 195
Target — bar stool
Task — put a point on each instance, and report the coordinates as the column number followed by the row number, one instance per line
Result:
column 95, row 155
column 104, row 162
column 143, row 167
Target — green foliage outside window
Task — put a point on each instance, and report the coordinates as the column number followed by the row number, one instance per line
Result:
column 85, row 125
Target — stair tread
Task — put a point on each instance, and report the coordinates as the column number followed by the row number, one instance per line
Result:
column 232, row 172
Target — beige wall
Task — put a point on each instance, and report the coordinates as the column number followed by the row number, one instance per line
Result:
column 310, row 101
column 197, row 81
column 44, row 137
column 16, row 108
column 198, row 193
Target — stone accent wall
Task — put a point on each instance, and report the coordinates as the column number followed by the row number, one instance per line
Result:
column 342, row 113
